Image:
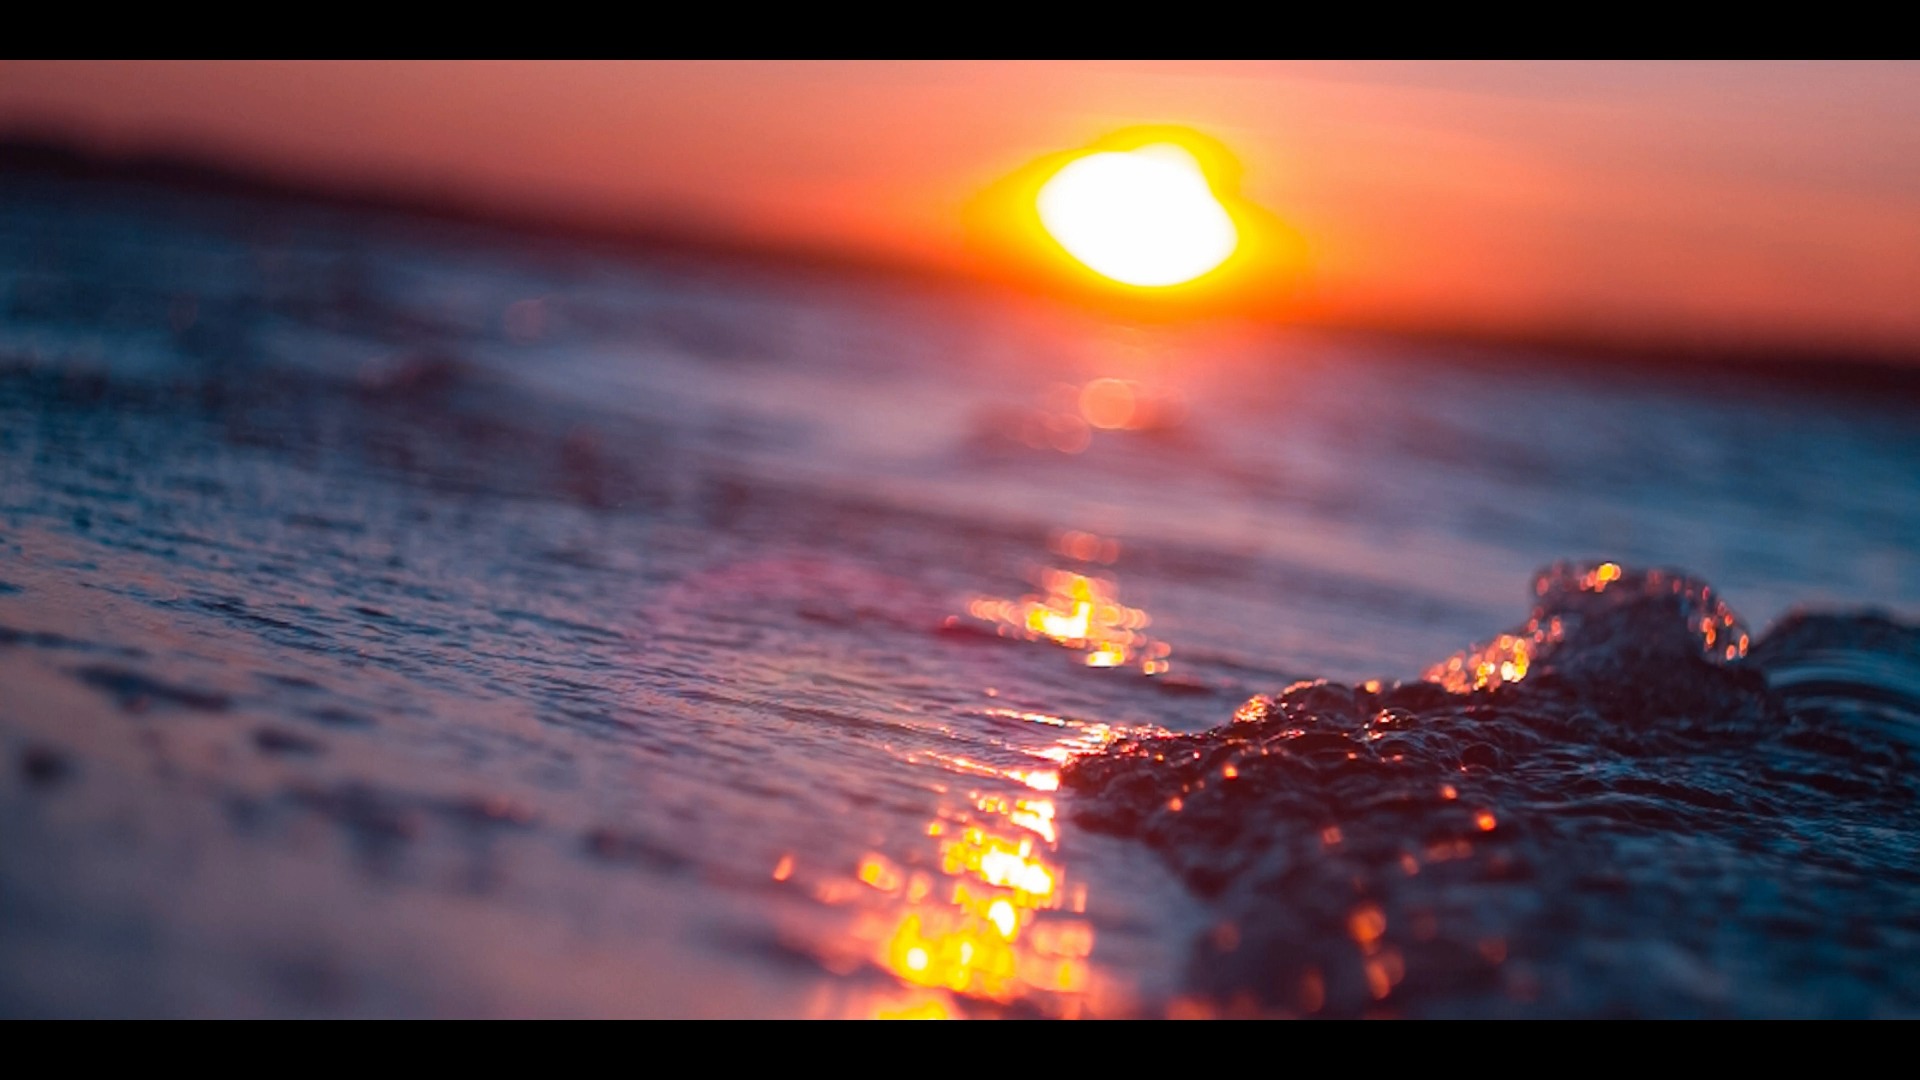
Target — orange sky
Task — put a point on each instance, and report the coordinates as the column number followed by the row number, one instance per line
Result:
column 1759, row 204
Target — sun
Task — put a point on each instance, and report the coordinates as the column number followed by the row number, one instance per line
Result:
column 1145, row 217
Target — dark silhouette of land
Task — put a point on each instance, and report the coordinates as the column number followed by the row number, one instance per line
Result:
column 37, row 158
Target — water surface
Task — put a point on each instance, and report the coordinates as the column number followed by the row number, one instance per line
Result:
column 403, row 619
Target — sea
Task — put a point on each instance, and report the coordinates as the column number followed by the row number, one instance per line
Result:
column 414, row 618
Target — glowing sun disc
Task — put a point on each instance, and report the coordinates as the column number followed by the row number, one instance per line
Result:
column 1143, row 217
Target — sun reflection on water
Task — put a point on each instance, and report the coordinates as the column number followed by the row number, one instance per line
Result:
column 975, row 914
column 995, row 919
column 1069, row 415
column 1079, row 611
column 984, row 917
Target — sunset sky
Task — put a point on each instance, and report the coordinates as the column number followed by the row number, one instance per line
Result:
column 1762, row 205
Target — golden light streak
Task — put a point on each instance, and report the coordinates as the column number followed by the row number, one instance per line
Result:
column 976, row 913
column 925, row 1010
column 1080, row 612
column 1003, row 927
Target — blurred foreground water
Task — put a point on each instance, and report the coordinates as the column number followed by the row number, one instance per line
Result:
column 398, row 619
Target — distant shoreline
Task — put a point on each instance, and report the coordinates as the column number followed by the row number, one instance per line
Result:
column 1890, row 374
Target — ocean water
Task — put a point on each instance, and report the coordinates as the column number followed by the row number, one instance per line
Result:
column 399, row 618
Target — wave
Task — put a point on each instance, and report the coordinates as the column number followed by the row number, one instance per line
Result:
column 1624, row 806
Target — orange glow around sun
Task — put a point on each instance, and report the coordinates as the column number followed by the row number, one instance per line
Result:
column 1148, row 217
column 1145, row 217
